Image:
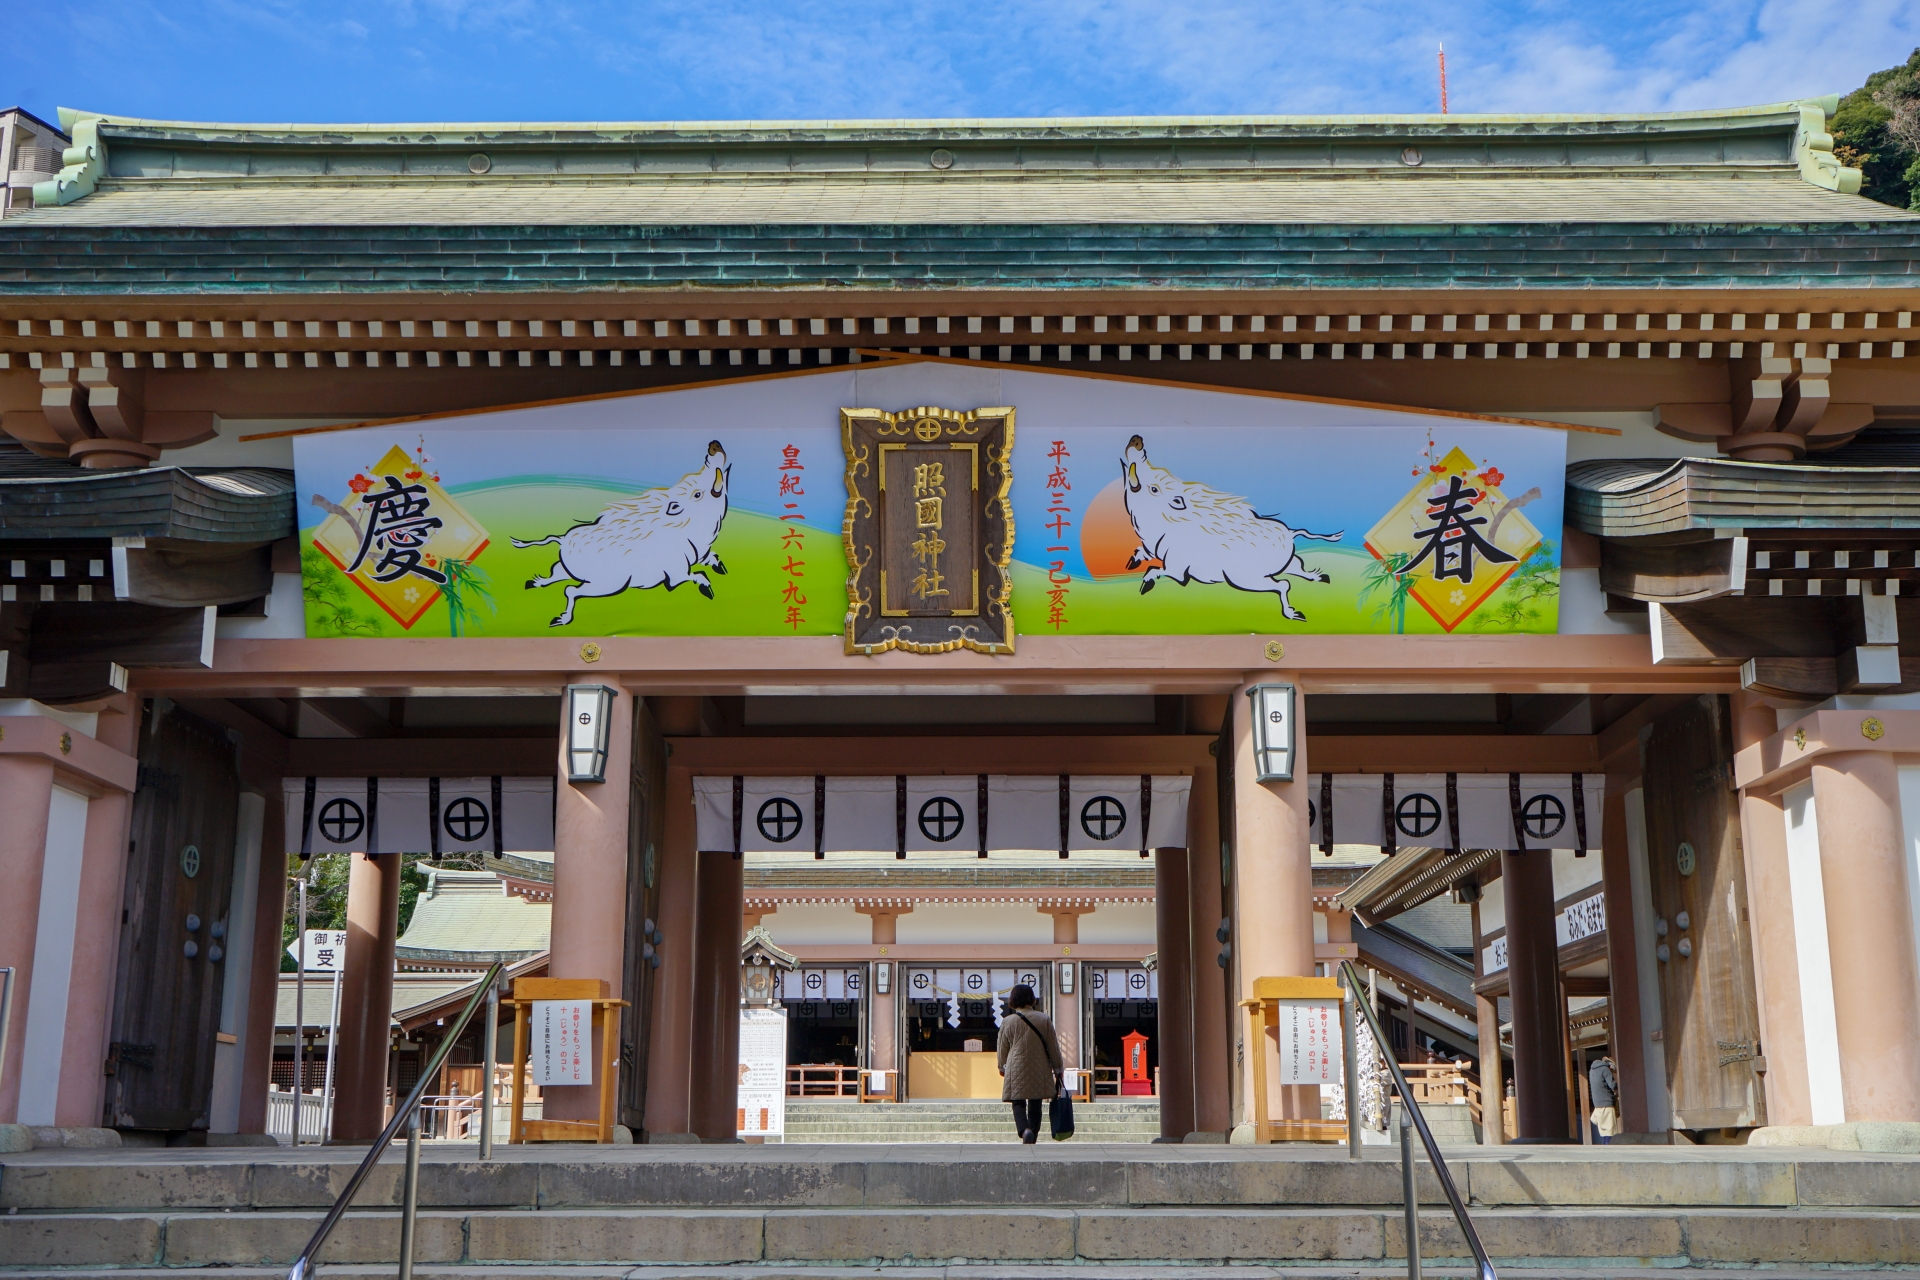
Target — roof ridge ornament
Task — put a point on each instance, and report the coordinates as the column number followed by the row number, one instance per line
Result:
column 1813, row 148
column 82, row 164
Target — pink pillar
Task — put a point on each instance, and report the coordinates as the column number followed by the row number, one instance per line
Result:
column 26, row 793
column 1876, row 988
column 590, row 885
column 263, row 992
column 366, row 998
column 96, row 936
column 669, row 1069
column 1273, row 888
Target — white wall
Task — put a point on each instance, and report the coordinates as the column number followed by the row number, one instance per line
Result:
column 949, row 923
column 1572, row 873
column 798, row 924
column 46, row 1025
column 1115, row 922
column 1817, row 1020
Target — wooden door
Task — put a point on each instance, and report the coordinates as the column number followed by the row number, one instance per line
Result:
column 1708, row 1015
column 646, row 831
column 173, row 934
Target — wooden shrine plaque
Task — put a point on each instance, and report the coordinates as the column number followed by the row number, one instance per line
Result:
column 929, row 530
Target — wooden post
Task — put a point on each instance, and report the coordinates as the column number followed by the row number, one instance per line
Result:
column 606, row 1016
column 609, row 1079
column 1257, row 1065
column 519, row 1073
column 1493, row 1088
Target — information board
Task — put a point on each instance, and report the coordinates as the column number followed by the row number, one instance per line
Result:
column 562, row 1042
column 761, row 1110
column 1310, row 1045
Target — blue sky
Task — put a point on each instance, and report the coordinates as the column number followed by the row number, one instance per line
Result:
column 433, row 60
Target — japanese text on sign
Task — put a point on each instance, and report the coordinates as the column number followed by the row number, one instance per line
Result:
column 793, row 535
column 1058, row 509
column 562, row 1047
column 326, row 950
column 761, row 1103
column 1310, row 1045
column 929, row 495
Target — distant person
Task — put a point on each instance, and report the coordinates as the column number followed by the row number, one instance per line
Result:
column 1603, row 1084
column 1029, row 1055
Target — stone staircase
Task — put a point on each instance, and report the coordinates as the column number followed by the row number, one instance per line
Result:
column 1109, row 1120
column 1090, row 1212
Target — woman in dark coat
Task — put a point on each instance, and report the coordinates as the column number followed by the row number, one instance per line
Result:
column 1029, row 1054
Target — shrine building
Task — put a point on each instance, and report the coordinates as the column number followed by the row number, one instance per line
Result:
column 1131, row 557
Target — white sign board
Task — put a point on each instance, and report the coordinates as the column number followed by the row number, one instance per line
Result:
column 1582, row 919
column 1310, row 1050
column 326, row 950
column 762, row 1104
column 562, row 1042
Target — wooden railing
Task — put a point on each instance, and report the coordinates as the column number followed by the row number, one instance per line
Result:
column 823, row 1080
column 1449, row 1082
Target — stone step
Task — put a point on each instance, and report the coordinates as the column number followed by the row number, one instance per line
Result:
column 1071, row 1173
column 935, row 1237
column 932, row 1271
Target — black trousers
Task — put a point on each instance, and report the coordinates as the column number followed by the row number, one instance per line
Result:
column 1028, row 1113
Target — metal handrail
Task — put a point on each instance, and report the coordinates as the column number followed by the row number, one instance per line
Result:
column 406, row 1114
column 1411, row 1120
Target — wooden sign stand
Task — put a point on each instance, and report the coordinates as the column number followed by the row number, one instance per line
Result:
column 1263, row 1014
column 606, row 1015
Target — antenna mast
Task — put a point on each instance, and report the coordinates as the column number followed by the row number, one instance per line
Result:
column 1443, row 79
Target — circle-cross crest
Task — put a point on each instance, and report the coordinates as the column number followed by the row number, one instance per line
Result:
column 1543, row 816
column 779, row 820
column 1103, row 818
column 466, row 819
column 341, row 820
column 1417, row 815
column 942, row 819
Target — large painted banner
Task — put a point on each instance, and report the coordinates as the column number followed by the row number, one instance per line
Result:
column 1137, row 509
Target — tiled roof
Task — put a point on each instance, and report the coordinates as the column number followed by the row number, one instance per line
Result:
column 468, row 915
column 240, row 505
column 1636, row 497
column 1283, row 197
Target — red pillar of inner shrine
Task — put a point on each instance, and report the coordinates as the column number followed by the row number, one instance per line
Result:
column 1174, row 951
column 715, row 1084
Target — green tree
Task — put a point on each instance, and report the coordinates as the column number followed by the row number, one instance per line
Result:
column 1388, row 574
column 1537, row 578
column 1877, row 130
column 327, row 894
column 325, row 590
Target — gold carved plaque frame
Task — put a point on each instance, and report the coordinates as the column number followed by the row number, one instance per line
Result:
column 972, row 454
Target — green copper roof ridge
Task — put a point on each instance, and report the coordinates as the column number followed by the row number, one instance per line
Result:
column 70, row 117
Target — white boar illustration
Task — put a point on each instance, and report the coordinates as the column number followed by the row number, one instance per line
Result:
column 664, row 536
column 1202, row 535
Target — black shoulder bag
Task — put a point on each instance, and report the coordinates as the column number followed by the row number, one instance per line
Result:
column 1060, row 1108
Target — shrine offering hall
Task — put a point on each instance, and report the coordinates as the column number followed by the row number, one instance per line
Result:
column 783, row 587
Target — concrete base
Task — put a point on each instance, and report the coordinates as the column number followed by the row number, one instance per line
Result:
column 1171, row 1211
column 47, row 1137
column 1867, row 1135
column 15, row 1138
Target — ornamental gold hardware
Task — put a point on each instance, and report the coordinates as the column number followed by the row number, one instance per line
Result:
column 1872, row 730
column 589, row 652
column 1275, row 651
